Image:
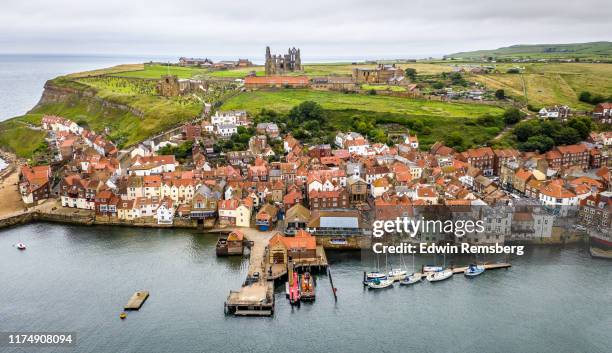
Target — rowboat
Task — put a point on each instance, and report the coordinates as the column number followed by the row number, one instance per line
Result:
column 440, row 275
column 473, row 270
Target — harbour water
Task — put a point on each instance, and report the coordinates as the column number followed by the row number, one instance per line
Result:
column 72, row 278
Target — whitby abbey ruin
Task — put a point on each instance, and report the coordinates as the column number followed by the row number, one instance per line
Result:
column 280, row 64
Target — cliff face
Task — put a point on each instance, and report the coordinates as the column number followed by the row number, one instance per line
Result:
column 55, row 93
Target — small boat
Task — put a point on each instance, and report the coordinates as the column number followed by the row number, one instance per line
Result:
column 375, row 275
column 474, row 270
column 294, row 290
column 440, row 275
column 307, row 287
column 397, row 274
column 430, row 268
column 379, row 284
column 21, row 246
column 412, row 279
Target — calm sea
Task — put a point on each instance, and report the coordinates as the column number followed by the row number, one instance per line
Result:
column 72, row 278
column 22, row 77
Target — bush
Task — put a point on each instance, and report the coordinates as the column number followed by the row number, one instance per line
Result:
column 512, row 116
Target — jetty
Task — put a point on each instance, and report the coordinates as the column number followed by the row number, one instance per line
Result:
column 256, row 297
column 136, row 300
column 495, row 266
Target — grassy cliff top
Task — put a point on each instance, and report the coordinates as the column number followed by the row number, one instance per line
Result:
column 575, row 50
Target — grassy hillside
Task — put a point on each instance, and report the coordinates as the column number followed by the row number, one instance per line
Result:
column 433, row 120
column 575, row 50
column 551, row 83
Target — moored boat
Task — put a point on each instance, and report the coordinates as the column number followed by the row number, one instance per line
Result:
column 374, row 275
column 397, row 274
column 294, row 289
column 307, row 287
column 440, row 275
column 600, row 244
column 474, row 270
column 430, row 268
column 379, row 284
column 412, row 279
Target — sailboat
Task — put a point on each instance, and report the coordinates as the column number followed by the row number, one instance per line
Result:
column 380, row 283
column 413, row 278
column 474, row 270
column 432, row 268
column 374, row 275
column 440, row 275
column 398, row 274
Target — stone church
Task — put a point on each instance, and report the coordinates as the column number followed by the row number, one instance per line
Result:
column 281, row 64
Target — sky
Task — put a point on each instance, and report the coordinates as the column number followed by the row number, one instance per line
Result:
column 321, row 28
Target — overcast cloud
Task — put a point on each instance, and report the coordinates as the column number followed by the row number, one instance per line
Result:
column 322, row 28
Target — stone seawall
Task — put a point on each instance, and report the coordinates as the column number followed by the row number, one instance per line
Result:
column 90, row 219
column 351, row 243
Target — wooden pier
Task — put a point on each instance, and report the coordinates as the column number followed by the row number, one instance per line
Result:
column 256, row 297
column 136, row 300
column 280, row 270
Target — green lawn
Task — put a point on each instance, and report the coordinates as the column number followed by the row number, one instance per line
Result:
column 431, row 120
column 158, row 70
column 283, row 100
column 383, row 88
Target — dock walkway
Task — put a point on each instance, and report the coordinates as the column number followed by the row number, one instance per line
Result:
column 462, row 269
column 254, row 298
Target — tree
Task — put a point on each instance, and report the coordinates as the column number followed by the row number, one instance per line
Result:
column 539, row 143
column 582, row 125
column 306, row 111
column 566, row 136
column 410, row 73
column 512, row 116
column 585, row 96
column 438, row 85
column 500, row 94
column 525, row 130
column 455, row 140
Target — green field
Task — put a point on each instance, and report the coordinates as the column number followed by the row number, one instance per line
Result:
column 576, row 50
column 283, row 100
column 155, row 71
column 550, row 84
column 432, row 120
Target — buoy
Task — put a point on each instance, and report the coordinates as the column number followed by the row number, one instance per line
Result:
column 122, row 316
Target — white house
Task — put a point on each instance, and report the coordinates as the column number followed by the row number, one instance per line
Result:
column 557, row 197
column 165, row 212
column 226, row 130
